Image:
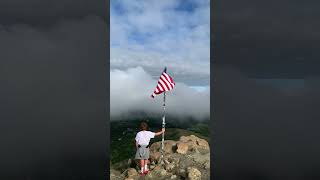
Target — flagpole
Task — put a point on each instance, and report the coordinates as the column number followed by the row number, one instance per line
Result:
column 163, row 124
column 163, row 121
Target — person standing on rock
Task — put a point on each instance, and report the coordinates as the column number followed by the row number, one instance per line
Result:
column 142, row 143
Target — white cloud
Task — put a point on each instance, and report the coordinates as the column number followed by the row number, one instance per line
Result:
column 153, row 33
column 130, row 91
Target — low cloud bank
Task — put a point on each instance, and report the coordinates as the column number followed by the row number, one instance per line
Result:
column 130, row 92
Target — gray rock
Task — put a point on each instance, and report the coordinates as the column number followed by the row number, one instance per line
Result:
column 169, row 167
column 182, row 148
column 183, row 173
column 173, row 177
column 200, row 158
column 207, row 165
column 131, row 172
column 194, row 174
column 114, row 175
column 157, row 174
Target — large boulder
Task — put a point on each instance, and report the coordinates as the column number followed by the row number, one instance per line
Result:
column 188, row 138
column 155, row 156
column 202, row 143
column 155, row 147
column 169, row 146
column 195, row 143
column 182, row 148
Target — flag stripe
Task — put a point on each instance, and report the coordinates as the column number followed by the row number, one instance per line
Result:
column 168, row 77
column 171, row 80
column 162, row 86
column 165, row 83
column 159, row 87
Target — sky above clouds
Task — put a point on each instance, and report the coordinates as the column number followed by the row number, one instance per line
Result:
column 153, row 34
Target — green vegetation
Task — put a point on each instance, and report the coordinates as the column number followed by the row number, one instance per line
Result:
column 201, row 128
column 124, row 132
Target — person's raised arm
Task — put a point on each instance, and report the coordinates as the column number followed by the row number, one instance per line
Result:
column 160, row 132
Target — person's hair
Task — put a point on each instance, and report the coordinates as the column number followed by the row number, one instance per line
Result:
column 143, row 126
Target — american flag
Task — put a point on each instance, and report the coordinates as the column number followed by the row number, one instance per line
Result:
column 165, row 83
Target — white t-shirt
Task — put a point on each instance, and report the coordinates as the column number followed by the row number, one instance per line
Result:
column 143, row 137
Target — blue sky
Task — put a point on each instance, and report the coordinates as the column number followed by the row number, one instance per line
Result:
column 152, row 34
column 145, row 36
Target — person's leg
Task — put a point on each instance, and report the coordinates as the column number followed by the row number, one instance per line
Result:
column 142, row 165
column 146, row 164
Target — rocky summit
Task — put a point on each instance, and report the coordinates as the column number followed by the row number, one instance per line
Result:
column 188, row 158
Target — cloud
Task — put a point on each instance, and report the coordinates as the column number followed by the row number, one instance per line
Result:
column 130, row 91
column 149, row 33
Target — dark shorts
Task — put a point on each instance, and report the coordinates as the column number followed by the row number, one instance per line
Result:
column 142, row 152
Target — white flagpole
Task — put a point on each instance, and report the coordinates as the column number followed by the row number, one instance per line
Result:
column 163, row 123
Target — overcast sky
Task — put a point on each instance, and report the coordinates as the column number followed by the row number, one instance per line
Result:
column 153, row 34
column 147, row 35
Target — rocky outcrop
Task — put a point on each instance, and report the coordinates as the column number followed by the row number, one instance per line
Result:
column 195, row 144
column 168, row 147
column 188, row 158
column 182, row 148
